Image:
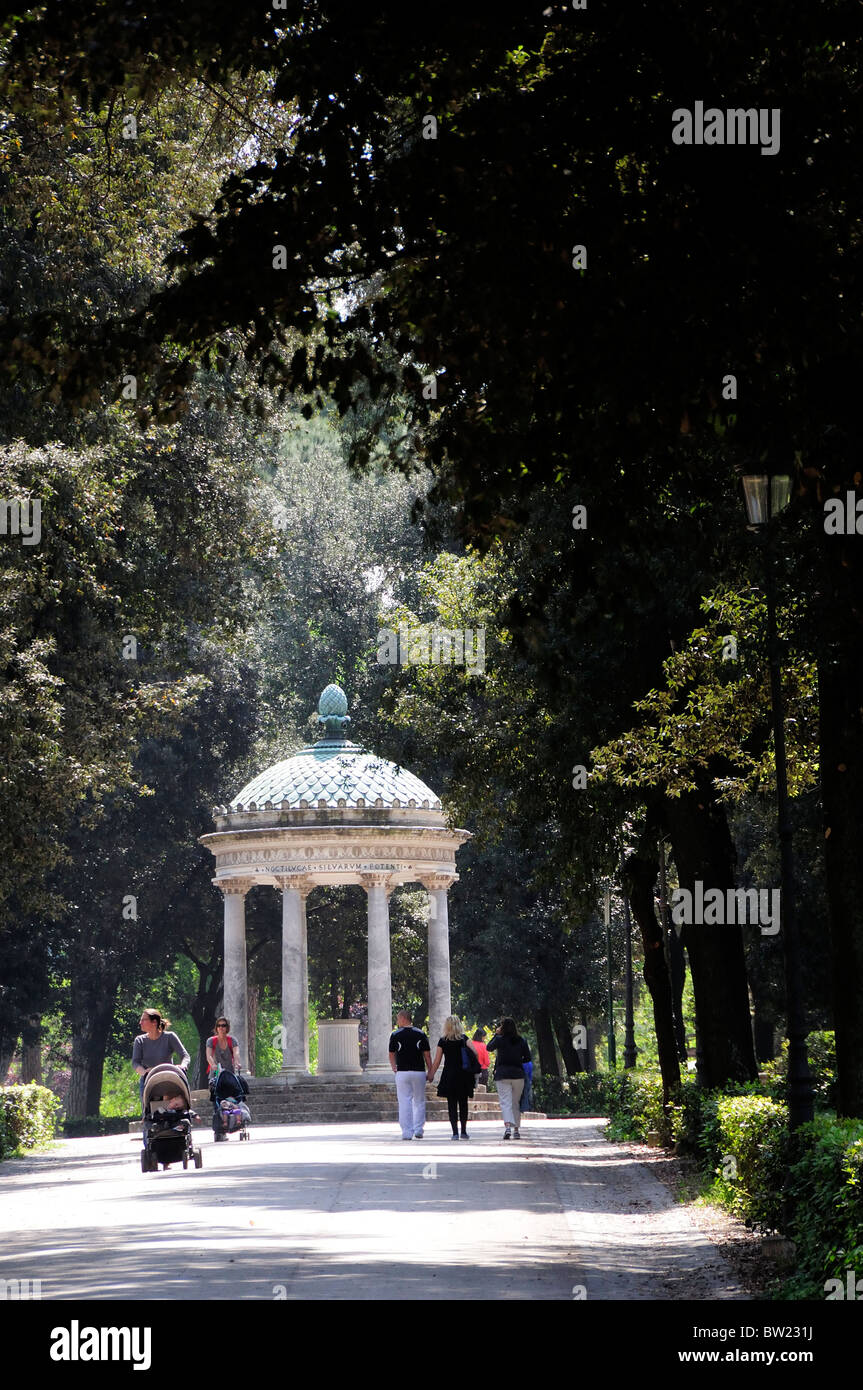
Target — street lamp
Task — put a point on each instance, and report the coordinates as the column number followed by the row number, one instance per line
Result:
column 630, row 1051
column 767, row 494
column 612, row 1046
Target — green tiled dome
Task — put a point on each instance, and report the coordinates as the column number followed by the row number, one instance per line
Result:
column 334, row 773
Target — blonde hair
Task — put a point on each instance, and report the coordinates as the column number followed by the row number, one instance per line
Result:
column 452, row 1027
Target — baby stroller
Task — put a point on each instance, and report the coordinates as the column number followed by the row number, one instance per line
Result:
column 167, row 1120
column 230, row 1113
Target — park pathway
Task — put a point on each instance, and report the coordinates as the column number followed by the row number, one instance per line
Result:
column 352, row 1212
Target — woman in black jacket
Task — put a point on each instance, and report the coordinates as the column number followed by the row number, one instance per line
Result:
column 512, row 1052
column 456, row 1083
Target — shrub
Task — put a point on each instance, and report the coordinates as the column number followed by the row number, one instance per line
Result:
column 753, row 1131
column 637, row 1108
column 28, row 1116
column 587, row 1093
column 694, row 1125
column 826, row 1203
column 821, row 1050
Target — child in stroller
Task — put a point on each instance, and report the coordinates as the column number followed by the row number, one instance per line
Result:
column 230, row 1113
column 168, row 1115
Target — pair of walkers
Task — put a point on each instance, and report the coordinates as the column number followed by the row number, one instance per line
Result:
column 410, row 1059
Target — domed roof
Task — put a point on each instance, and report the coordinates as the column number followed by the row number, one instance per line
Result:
column 334, row 773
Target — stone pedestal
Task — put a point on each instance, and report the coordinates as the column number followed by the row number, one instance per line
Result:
column 339, row 1046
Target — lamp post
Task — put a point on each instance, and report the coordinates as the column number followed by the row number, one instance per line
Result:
column 673, row 958
column 766, row 495
column 630, row 1051
column 612, row 1048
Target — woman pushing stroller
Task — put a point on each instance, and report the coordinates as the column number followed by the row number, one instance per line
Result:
column 226, row 1083
column 154, row 1045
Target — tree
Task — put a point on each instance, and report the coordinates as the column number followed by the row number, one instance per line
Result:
column 525, row 264
column 139, row 571
column 640, row 873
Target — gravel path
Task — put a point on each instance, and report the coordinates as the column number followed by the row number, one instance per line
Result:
column 352, row 1212
column 633, row 1240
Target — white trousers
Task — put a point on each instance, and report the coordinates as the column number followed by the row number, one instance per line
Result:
column 510, row 1096
column 411, row 1091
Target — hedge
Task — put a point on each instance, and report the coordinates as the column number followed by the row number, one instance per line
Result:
column 28, row 1118
column 826, row 1199
column 752, row 1136
column 587, row 1093
column 94, row 1126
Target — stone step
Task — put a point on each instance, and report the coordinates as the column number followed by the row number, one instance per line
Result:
column 294, row 1101
column 360, row 1078
column 276, row 1116
column 380, row 1092
column 374, row 1118
column 341, row 1114
column 274, row 1101
column 370, row 1115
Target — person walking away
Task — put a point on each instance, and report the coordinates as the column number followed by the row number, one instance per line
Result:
column 155, row 1044
column 479, row 1047
column 409, row 1050
column 526, row 1102
column 512, row 1052
column 457, row 1078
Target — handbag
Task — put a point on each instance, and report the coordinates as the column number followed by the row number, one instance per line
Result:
column 469, row 1060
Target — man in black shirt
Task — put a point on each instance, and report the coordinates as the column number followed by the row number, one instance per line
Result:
column 409, row 1058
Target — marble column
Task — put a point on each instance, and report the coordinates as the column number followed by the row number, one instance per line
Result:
column 235, row 993
column 380, row 979
column 294, row 1002
column 304, row 893
column 440, row 996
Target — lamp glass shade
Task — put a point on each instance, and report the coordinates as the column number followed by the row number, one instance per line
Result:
column 780, row 492
column 755, row 494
